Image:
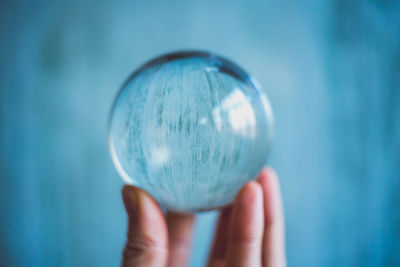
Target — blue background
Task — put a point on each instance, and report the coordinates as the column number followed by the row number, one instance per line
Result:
column 330, row 68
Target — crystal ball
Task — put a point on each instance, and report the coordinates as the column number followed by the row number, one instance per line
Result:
column 190, row 128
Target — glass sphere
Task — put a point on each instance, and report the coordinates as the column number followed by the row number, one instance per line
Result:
column 190, row 128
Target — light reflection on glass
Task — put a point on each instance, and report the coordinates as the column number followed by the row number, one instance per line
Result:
column 240, row 113
column 159, row 155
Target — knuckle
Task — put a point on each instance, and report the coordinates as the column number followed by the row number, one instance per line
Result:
column 242, row 239
column 143, row 248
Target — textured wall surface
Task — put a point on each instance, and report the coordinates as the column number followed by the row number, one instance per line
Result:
column 330, row 68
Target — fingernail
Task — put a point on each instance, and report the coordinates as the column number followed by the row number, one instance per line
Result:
column 131, row 199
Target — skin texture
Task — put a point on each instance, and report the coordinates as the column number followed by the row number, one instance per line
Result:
column 250, row 232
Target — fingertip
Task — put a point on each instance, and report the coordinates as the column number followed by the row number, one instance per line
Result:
column 147, row 232
column 248, row 206
column 271, row 171
column 128, row 191
column 268, row 179
column 130, row 198
column 267, row 173
column 250, row 193
column 142, row 208
column 263, row 174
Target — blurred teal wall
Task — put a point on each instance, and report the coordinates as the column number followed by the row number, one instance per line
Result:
column 330, row 68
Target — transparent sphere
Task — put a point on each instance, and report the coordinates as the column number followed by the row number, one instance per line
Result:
column 190, row 128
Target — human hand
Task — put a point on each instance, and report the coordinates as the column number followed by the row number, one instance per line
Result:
column 250, row 232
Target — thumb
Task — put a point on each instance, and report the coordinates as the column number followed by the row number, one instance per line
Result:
column 147, row 243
